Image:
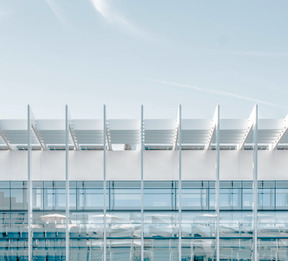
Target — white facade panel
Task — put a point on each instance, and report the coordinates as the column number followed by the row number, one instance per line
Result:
column 123, row 165
column 272, row 165
column 198, row 165
column 48, row 165
column 158, row 165
column 161, row 165
column 236, row 165
column 86, row 165
column 13, row 165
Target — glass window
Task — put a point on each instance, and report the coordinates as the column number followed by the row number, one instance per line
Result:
column 157, row 198
column 5, row 184
column 4, row 199
column 37, row 195
column 72, row 198
column 265, row 198
column 281, row 198
column 266, row 194
column 194, row 198
column 54, row 195
column 19, row 199
column 126, row 198
column 194, row 194
column 125, row 195
column 60, row 198
column 212, row 195
column 37, row 198
column 158, row 195
column 247, row 194
column 230, row 195
column 90, row 198
column 282, row 194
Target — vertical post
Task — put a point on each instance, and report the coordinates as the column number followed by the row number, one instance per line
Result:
column 67, row 239
column 255, row 182
column 29, row 184
column 104, row 182
column 217, row 187
column 180, row 182
column 142, row 185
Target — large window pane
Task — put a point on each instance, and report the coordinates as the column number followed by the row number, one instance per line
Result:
column 266, row 194
column 230, row 195
column 159, row 195
column 4, row 199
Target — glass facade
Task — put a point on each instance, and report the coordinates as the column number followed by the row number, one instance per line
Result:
column 161, row 220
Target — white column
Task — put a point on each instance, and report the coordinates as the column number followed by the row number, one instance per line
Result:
column 255, row 182
column 217, row 185
column 104, row 183
column 142, row 185
column 180, row 183
column 29, row 215
column 67, row 189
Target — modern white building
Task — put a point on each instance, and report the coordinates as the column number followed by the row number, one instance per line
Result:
column 144, row 189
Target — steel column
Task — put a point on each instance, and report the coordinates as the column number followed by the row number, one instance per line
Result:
column 180, row 183
column 217, row 185
column 255, row 183
column 67, row 189
column 142, row 184
column 29, row 184
column 104, row 183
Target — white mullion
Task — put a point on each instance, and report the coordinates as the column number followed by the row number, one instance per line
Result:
column 104, row 185
column 255, row 183
column 67, row 189
column 142, row 185
column 30, row 256
column 180, row 184
column 217, row 187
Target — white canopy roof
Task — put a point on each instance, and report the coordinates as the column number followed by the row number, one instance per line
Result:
column 158, row 134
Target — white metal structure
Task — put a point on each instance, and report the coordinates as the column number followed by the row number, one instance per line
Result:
column 144, row 150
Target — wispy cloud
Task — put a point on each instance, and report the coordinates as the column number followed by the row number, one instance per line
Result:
column 105, row 9
column 57, row 10
column 222, row 93
column 259, row 54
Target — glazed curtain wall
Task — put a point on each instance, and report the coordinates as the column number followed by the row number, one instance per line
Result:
column 161, row 220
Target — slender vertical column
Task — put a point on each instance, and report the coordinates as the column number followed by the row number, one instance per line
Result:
column 29, row 184
column 255, row 182
column 142, row 185
column 180, row 182
column 104, row 183
column 217, row 188
column 67, row 239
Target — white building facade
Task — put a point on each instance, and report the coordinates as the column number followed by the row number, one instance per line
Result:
column 143, row 189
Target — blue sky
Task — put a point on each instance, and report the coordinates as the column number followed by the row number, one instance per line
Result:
column 86, row 53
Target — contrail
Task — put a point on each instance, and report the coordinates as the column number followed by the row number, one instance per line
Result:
column 104, row 9
column 223, row 93
column 58, row 12
column 260, row 54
